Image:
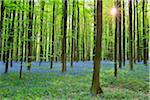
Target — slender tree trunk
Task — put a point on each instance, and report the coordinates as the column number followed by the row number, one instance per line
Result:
column 124, row 34
column 41, row 31
column 31, row 7
column 147, row 30
column 1, row 23
column 134, row 34
column 119, row 34
column 115, row 45
column 53, row 31
column 96, row 88
column 94, row 27
column 138, row 35
column 111, row 54
column 73, row 34
column 78, row 29
column 12, row 35
column 64, row 35
column 83, row 36
column 130, row 35
column 21, row 53
column 18, row 39
column 144, row 34
column 8, row 15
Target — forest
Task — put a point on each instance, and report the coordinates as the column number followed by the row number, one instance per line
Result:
column 74, row 49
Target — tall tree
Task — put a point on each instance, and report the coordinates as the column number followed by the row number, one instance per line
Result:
column 18, row 37
column 64, row 35
column 134, row 3
column 119, row 33
column 12, row 35
column 8, row 16
column 130, row 35
column 78, row 28
column 147, row 30
column 53, row 31
column 30, row 27
column 22, row 33
column 144, row 34
column 73, row 34
column 83, row 36
column 1, row 21
column 124, row 34
column 138, row 35
column 96, row 88
column 41, row 31
column 94, row 26
column 115, row 44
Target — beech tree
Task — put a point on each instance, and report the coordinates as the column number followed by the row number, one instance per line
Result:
column 53, row 35
column 30, row 27
column 144, row 33
column 96, row 87
column 64, row 31
column 1, row 21
column 130, row 35
column 115, row 44
column 124, row 34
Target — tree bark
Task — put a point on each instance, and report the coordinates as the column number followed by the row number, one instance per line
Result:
column 124, row 34
column 64, row 69
column 119, row 33
column 144, row 34
column 78, row 29
column 96, row 88
column 130, row 35
column 41, row 31
column 138, row 35
column 53, row 31
column 31, row 7
column 1, row 22
column 134, row 34
column 115, row 45
column 12, row 35
column 8, row 15
column 22, row 40
column 73, row 34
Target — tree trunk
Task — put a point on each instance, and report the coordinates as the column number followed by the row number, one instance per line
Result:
column 115, row 46
column 64, row 35
column 134, row 34
column 138, row 35
column 96, row 88
column 31, row 7
column 1, row 23
column 119, row 34
column 94, row 27
column 12, row 36
column 78, row 29
column 73, row 34
column 144, row 34
column 83, row 36
column 124, row 34
column 41, row 31
column 53, row 31
column 8, row 15
column 21, row 53
column 130, row 35
column 147, row 30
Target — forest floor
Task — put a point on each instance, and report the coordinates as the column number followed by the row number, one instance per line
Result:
column 41, row 83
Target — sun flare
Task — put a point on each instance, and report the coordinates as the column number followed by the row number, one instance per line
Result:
column 113, row 11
